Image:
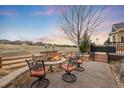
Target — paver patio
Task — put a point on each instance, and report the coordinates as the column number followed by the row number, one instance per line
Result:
column 96, row 75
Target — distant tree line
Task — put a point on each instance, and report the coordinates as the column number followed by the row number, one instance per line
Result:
column 65, row 45
column 19, row 42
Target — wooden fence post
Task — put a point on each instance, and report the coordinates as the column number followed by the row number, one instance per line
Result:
column 0, row 62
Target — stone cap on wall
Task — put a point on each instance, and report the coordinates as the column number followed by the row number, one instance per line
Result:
column 12, row 76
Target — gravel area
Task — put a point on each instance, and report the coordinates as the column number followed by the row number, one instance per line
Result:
column 114, row 66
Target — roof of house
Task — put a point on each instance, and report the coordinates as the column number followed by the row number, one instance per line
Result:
column 118, row 26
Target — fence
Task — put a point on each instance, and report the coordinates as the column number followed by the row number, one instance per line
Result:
column 104, row 48
column 119, row 46
column 116, row 48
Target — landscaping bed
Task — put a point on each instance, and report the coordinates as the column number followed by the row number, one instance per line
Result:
column 115, row 68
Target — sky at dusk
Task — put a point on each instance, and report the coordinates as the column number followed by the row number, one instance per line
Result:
column 38, row 23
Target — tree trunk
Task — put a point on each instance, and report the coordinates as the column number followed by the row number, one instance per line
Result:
column 78, row 47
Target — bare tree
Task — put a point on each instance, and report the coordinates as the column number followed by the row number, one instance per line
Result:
column 77, row 20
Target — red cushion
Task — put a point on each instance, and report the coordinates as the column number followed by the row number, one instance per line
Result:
column 80, row 61
column 68, row 68
column 39, row 72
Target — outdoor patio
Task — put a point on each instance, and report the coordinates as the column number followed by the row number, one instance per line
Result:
column 96, row 75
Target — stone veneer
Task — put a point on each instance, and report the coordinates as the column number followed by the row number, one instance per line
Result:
column 15, row 79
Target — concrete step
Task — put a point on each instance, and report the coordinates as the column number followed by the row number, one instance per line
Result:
column 4, row 63
column 99, row 55
column 14, row 66
column 99, row 59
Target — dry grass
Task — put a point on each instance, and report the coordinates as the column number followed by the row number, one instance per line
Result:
column 9, row 50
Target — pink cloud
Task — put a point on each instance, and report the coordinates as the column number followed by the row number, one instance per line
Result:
column 55, row 39
column 49, row 11
column 7, row 12
column 101, row 35
column 51, row 37
column 62, row 39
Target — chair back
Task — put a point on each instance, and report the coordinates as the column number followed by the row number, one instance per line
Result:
column 71, row 61
column 35, row 65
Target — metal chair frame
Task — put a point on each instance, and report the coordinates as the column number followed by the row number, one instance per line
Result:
column 79, row 68
column 68, row 76
column 35, row 65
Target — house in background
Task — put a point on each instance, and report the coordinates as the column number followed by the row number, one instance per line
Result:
column 117, row 33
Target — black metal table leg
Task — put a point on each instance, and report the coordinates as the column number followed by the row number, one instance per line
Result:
column 51, row 68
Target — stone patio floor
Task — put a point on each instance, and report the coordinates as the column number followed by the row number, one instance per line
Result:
column 96, row 75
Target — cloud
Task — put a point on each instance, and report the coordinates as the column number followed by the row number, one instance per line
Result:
column 55, row 39
column 7, row 12
column 48, row 11
column 101, row 35
column 61, row 38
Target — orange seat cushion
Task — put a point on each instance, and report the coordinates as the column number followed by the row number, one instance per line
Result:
column 39, row 72
column 67, row 67
column 79, row 61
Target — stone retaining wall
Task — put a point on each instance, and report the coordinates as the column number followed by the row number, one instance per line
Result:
column 19, row 81
column 15, row 79
column 116, row 57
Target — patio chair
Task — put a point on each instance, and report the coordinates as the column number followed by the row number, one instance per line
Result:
column 38, row 69
column 69, row 67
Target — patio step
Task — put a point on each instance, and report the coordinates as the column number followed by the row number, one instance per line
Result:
column 101, row 60
column 11, row 62
column 101, row 57
column 14, row 66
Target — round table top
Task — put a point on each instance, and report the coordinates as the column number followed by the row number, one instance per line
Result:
column 55, row 62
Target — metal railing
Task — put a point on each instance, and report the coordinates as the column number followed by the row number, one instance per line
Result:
column 116, row 48
column 96, row 48
column 119, row 46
